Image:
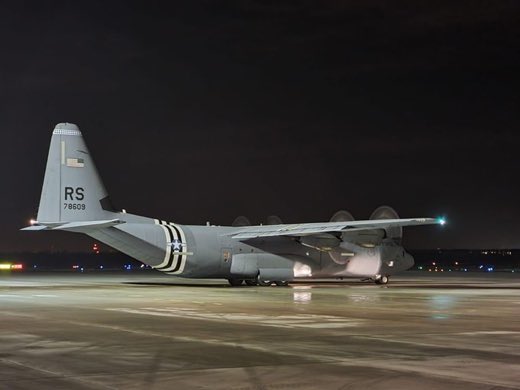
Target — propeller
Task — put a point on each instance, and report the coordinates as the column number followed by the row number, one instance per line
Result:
column 341, row 216
column 273, row 220
column 241, row 221
column 387, row 212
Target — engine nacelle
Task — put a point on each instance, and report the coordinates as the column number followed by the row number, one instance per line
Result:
column 384, row 259
column 356, row 258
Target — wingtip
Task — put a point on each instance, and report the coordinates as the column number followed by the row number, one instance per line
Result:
column 441, row 221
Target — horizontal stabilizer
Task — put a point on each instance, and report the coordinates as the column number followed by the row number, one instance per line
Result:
column 88, row 225
column 80, row 226
column 35, row 228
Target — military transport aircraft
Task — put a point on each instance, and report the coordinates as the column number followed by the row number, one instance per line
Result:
column 74, row 199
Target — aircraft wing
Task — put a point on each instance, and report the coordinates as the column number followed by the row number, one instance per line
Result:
column 306, row 229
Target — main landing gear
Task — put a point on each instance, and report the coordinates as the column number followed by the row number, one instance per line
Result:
column 381, row 279
column 235, row 282
column 257, row 282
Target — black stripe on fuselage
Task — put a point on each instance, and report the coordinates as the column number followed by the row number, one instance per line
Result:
column 170, row 240
column 177, row 266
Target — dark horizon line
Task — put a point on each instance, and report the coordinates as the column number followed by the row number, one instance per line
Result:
column 5, row 253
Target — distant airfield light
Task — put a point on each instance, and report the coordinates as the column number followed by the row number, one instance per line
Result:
column 9, row 266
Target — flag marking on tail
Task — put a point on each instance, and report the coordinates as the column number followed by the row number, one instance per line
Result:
column 75, row 162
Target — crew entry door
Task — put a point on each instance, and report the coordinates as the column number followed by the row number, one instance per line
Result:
column 225, row 258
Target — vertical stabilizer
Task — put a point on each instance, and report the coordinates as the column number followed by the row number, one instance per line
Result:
column 72, row 189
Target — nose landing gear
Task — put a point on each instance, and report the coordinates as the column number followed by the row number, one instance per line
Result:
column 381, row 279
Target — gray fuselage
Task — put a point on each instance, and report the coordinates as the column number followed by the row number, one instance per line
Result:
column 210, row 252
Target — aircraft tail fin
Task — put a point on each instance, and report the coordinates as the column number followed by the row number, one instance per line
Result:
column 72, row 189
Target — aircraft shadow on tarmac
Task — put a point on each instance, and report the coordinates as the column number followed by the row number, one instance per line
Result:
column 224, row 284
column 400, row 284
column 174, row 284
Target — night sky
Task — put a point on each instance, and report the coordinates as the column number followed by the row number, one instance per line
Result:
column 209, row 110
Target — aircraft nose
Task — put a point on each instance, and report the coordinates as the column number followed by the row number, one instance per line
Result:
column 408, row 261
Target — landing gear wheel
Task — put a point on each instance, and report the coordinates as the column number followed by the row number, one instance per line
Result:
column 383, row 279
column 282, row 283
column 264, row 283
column 251, row 282
column 235, row 282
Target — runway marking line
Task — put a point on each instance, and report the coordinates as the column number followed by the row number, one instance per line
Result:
column 15, row 314
column 45, row 296
column 489, row 332
column 429, row 345
column 55, row 374
column 283, row 321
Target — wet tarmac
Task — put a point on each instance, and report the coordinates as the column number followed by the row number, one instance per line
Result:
column 147, row 330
